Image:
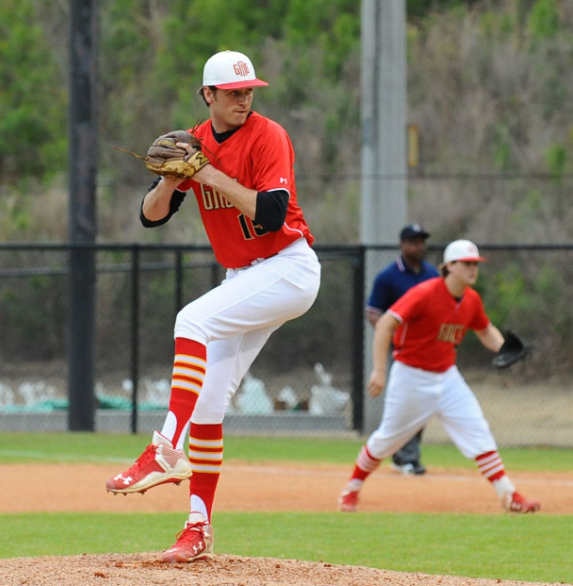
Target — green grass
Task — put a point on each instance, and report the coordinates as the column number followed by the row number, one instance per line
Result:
column 530, row 548
column 19, row 447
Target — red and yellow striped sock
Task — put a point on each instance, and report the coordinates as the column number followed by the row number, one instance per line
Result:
column 206, row 457
column 188, row 374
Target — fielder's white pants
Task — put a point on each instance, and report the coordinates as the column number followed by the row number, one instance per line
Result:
column 235, row 319
column 414, row 396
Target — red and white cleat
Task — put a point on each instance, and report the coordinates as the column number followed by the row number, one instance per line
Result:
column 159, row 464
column 194, row 542
column 517, row 503
column 348, row 501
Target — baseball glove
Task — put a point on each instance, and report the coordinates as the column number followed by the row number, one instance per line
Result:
column 168, row 160
column 512, row 350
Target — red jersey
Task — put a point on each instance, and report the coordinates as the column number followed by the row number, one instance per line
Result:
column 260, row 156
column 433, row 324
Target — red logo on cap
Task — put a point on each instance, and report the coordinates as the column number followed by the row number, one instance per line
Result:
column 241, row 68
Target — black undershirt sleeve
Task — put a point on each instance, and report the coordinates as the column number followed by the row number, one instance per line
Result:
column 270, row 213
column 174, row 205
column 271, row 209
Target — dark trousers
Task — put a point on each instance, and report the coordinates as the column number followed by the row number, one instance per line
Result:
column 409, row 453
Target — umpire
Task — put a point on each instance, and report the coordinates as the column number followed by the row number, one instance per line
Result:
column 390, row 284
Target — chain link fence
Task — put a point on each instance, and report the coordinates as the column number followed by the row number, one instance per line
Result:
column 308, row 380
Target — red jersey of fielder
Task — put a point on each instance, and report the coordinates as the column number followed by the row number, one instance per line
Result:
column 260, row 156
column 433, row 323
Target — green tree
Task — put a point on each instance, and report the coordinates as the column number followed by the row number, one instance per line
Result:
column 33, row 98
column 544, row 22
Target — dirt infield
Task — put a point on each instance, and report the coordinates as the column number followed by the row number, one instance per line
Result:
column 247, row 487
column 273, row 487
column 221, row 570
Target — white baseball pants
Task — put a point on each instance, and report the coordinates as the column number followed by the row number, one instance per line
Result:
column 414, row 396
column 235, row 319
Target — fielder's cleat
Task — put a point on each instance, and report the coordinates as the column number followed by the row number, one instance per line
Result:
column 348, row 501
column 517, row 503
column 159, row 464
column 194, row 542
column 410, row 468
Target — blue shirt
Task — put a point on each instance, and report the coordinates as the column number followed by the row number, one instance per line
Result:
column 392, row 282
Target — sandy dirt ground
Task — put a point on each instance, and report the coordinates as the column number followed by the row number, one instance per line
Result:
column 245, row 487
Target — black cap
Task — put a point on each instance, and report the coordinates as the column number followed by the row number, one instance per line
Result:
column 413, row 231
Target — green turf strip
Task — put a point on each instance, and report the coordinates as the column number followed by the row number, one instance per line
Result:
column 532, row 548
column 87, row 447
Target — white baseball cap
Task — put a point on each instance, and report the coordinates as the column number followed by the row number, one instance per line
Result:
column 462, row 250
column 230, row 70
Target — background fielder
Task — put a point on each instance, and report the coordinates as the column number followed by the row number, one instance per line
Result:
column 390, row 284
column 428, row 323
column 248, row 205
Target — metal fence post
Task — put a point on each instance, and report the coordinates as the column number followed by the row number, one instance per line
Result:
column 358, row 340
column 178, row 280
column 81, row 333
column 134, row 334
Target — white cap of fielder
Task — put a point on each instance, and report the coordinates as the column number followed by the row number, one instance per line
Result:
column 462, row 250
column 230, row 70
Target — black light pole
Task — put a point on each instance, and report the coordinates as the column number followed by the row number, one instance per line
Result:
column 82, row 224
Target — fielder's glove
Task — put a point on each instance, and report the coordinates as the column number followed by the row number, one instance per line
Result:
column 512, row 350
column 168, row 160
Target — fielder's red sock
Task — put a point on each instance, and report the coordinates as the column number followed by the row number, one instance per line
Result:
column 366, row 463
column 188, row 374
column 491, row 466
column 206, row 457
